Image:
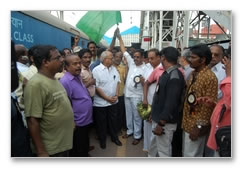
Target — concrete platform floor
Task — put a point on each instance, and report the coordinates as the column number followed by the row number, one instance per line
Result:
column 112, row 150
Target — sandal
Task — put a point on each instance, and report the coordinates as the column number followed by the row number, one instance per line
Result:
column 135, row 141
column 126, row 136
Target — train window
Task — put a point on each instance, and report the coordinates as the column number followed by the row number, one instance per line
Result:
column 72, row 41
column 83, row 44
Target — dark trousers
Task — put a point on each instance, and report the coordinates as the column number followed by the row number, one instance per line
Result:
column 80, row 141
column 106, row 117
column 177, row 143
column 61, row 154
column 177, row 139
column 121, row 114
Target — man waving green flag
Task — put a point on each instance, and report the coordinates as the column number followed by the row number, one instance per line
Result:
column 96, row 23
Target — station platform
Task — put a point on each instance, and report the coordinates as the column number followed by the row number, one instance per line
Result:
column 112, row 150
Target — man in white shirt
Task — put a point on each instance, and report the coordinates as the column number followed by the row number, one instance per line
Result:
column 106, row 98
column 216, row 65
column 133, row 91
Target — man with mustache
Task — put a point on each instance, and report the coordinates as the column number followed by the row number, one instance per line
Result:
column 86, row 75
column 133, row 91
column 81, row 104
column 202, row 82
column 47, row 108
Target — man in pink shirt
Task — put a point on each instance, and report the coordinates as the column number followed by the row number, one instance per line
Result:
column 149, row 89
column 154, row 76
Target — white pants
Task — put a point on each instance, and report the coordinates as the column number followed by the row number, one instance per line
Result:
column 193, row 148
column 161, row 145
column 147, row 137
column 133, row 119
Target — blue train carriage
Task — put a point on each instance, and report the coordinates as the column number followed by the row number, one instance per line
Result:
column 40, row 27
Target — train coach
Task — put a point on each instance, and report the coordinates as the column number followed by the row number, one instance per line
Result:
column 40, row 27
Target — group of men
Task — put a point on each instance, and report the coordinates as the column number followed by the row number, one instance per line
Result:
column 104, row 87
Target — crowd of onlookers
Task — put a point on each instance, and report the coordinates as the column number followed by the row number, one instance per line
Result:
column 58, row 96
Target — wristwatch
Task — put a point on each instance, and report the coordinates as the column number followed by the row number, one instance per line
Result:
column 199, row 126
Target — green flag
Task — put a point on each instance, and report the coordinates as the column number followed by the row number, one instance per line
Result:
column 96, row 23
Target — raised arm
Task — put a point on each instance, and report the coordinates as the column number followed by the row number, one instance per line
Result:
column 129, row 59
column 113, row 42
column 122, row 46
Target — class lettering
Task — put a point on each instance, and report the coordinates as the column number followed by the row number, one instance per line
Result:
column 23, row 37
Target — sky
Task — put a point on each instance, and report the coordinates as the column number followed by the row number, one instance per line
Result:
column 129, row 19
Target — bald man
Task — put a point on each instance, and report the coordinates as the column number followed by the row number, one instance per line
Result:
column 106, row 99
column 81, row 105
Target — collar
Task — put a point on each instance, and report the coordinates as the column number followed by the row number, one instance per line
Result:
column 160, row 67
column 103, row 67
column 70, row 76
column 171, row 68
column 218, row 66
column 186, row 67
column 21, row 64
column 142, row 65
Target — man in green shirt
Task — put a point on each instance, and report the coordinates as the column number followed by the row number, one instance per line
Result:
column 47, row 108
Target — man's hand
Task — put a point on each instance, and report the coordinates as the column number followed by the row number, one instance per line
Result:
column 194, row 134
column 158, row 130
column 112, row 99
column 142, row 80
column 150, row 119
column 207, row 101
column 145, row 103
column 92, row 82
column 124, row 60
column 227, row 65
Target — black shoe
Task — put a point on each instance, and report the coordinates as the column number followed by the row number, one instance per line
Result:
column 102, row 145
column 91, row 148
column 117, row 142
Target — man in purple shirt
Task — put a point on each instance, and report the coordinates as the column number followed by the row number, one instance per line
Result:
column 81, row 104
